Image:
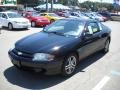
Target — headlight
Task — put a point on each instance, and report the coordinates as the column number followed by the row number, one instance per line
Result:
column 43, row 57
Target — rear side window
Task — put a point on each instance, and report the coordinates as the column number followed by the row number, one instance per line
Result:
column 94, row 27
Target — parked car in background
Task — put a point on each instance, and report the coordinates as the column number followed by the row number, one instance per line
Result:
column 105, row 14
column 51, row 16
column 97, row 16
column 60, row 46
column 89, row 15
column 13, row 20
column 80, row 15
column 68, row 15
column 36, row 19
column 115, row 17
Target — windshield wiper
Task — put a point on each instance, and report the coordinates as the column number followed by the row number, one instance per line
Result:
column 58, row 33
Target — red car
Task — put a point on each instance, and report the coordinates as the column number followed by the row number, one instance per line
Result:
column 35, row 19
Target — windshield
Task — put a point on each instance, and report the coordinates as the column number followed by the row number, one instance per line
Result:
column 66, row 27
column 54, row 15
column 14, row 15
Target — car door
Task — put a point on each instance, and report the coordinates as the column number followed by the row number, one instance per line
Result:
column 91, row 40
column 4, row 20
column 97, row 39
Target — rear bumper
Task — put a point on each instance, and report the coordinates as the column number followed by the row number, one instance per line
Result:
column 52, row 67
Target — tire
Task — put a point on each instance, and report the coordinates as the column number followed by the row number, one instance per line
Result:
column 10, row 26
column 19, row 68
column 33, row 24
column 106, row 47
column 52, row 20
column 69, row 65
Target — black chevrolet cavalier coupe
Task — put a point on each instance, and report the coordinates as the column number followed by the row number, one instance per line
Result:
column 60, row 46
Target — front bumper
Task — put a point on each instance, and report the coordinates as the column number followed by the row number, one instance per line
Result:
column 48, row 67
column 19, row 26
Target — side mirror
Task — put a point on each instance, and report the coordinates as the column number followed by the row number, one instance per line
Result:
column 89, row 32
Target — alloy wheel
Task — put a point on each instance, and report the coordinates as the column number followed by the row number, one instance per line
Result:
column 107, row 46
column 10, row 26
column 70, row 65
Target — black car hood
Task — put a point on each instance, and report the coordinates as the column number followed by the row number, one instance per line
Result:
column 44, row 42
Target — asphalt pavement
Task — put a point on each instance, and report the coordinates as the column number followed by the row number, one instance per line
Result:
column 97, row 72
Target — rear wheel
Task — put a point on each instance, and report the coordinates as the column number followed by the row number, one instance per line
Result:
column 69, row 65
column 10, row 26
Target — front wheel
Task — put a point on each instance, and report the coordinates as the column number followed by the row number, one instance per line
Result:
column 106, row 47
column 10, row 26
column 69, row 65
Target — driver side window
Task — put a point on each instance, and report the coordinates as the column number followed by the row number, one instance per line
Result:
column 93, row 27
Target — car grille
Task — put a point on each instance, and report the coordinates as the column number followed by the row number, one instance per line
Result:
column 22, row 54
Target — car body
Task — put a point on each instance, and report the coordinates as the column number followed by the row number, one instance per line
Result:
column 35, row 19
column 105, row 14
column 80, row 15
column 51, row 16
column 60, row 46
column 13, row 20
column 115, row 17
column 68, row 15
column 97, row 16
column 89, row 15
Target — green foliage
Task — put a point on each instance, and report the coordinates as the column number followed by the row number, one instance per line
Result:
column 94, row 6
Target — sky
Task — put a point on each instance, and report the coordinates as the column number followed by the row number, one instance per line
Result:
column 108, row 1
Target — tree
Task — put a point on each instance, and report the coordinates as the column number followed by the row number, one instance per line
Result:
column 30, row 2
column 95, row 6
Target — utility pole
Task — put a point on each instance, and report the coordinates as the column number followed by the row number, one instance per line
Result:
column 52, row 2
column 46, row 5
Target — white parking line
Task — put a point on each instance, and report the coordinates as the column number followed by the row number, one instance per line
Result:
column 101, row 83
